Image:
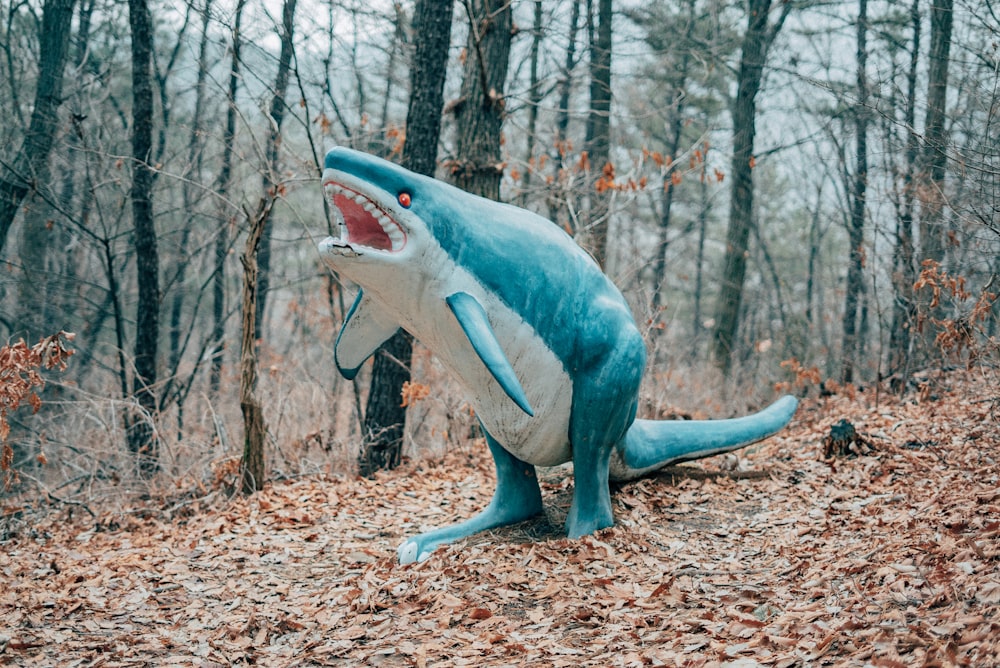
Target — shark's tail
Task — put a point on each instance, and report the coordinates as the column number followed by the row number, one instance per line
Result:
column 652, row 444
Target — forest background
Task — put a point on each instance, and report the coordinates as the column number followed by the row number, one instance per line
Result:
column 798, row 193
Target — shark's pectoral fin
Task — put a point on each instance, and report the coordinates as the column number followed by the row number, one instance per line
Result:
column 366, row 328
column 476, row 325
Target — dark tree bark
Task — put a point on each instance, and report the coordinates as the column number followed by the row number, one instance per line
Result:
column 252, row 469
column 598, row 139
column 935, row 157
column 699, row 271
column 385, row 417
column 30, row 166
column 273, row 147
column 560, row 143
column 904, row 270
column 224, row 233
column 856, row 225
column 141, row 434
column 480, row 112
column 534, row 100
column 757, row 40
column 931, row 175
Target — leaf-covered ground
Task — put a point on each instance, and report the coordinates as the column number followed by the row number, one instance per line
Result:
column 888, row 559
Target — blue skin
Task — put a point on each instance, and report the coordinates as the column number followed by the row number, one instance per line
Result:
column 524, row 265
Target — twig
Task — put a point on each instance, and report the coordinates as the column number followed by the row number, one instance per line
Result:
column 79, row 504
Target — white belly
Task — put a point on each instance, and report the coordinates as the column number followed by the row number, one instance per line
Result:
column 541, row 439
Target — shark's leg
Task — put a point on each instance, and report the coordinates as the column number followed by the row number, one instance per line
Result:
column 517, row 498
column 600, row 417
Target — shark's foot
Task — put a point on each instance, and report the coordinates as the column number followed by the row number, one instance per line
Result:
column 419, row 548
column 591, row 507
column 583, row 522
column 517, row 498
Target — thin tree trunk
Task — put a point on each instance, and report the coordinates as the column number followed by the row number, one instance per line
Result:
column 398, row 38
column 813, row 259
column 934, row 161
column 560, row 143
column 699, row 269
column 224, row 232
column 676, row 130
column 756, row 42
column 534, row 100
column 772, row 270
column 252, row 470
column 856, row 225
column 599, row 131
column 71, row 263
column 195, row 153
column 935, row 147
column 162, row 77
column 271, row 175
column 141, row 434
column 30, row 164
column 904, row 270
column 385, row 417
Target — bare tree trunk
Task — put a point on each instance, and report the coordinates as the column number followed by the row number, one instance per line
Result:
column 397, row 45
column 856, row 226
column 385, row 417
column 252, row 470
column 699, row 270
column 480, row 113
column 273, row 147
column 904, row 270
column 813, row 259
column 31, row 163
column 70, row 265
column 676, row 129
column 935, row 157
column 141, row 434
column 934, row 161
column 194, row 166
column 223, row 234
column 534, row 100
column 756, row 41
column 561, row 141
column 599, row 131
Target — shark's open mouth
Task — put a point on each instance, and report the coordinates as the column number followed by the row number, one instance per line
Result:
column 362, row 221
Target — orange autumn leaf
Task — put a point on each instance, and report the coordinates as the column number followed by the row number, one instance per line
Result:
column 413, row 392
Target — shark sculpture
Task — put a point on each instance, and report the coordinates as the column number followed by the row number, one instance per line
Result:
column 542, row 341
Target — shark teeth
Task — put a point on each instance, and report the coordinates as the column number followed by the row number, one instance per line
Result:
column 355, row 214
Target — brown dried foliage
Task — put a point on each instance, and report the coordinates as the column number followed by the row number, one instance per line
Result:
column 20, row 376
column 888, row 559
column 963, row 335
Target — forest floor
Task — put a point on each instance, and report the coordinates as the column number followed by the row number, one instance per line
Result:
column 890, row 558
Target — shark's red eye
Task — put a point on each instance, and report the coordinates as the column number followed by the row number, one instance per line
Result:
column 405, row 200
